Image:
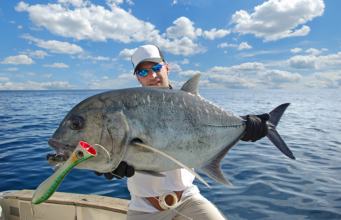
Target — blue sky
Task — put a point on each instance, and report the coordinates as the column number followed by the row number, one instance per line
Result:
column 249, row 44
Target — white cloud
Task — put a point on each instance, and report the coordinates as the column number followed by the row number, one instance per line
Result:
column 25, row 74
column 35, row 86
column 81, row 56
column 75, row 3
column 16, row 60
column 188, row 73
column 231, row 81
column 197, row 64
column 242, row 68
column 12, row 69
column 173, row 67
column 36, row 28
column 296, row 50
column 105, row 77
column 279, row 76
column 19, row 27
column 176, row 84
column 89, row 21
column 4, row 79
column 128, row 76
column 12, row 22
column 55, row 46
column 213, row 33
column 184, row 28
column 57, row 65
column 242, row 55
column 324, row 49
column 276, row 19
column 243, row 46
column 313, row 62
column 47, row 75
column 38, row 54
column 184, row 46
column 174, row 2
column 313, row 51
column 222, row 45
column 130, row 2
column 185, row 61
column 126, row 54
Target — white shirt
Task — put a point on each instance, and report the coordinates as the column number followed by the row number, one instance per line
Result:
column 141, row 186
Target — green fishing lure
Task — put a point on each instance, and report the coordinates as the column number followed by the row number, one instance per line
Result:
column 82, row 152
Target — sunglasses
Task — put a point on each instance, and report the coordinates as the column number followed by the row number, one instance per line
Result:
column 155, row 68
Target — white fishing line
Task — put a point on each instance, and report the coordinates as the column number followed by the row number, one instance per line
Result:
column 137, row 186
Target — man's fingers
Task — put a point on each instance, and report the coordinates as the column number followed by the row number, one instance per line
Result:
column 265, row 116
column 98, row 173
column 108, row 176
column 130, row 171
column 120, row 171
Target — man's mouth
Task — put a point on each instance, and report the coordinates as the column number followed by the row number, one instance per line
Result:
column 155, row 84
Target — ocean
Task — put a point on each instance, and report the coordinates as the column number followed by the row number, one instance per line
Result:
column 266, row 184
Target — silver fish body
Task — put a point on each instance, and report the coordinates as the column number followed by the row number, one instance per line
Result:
column 179, row 123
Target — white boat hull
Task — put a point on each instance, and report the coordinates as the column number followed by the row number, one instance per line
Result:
column 16, row 205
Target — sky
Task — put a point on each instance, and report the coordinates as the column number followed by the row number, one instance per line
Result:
column 248, row 44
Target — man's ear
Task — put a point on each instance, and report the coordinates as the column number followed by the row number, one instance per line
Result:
column 167, row 68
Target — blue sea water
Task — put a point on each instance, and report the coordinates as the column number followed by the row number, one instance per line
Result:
column 266, row 184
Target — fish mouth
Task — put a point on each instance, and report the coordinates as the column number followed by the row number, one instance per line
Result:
column 62, row 152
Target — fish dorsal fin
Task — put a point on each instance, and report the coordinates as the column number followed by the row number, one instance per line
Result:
column 159, row 87
column 192, row 84
column 212, row 169
column 173, row 159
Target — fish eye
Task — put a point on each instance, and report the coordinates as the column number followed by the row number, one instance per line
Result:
column 76, row 123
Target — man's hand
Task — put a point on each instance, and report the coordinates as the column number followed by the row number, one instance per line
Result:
column 256, row 127
column 122, row 170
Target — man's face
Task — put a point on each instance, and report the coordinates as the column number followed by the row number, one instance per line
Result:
column 159, row 78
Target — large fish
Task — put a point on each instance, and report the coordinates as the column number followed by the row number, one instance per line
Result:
column 155, row 129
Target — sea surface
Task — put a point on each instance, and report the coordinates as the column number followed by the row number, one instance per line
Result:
column 266, row 184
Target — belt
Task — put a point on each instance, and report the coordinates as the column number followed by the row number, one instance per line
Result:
column 167, row 198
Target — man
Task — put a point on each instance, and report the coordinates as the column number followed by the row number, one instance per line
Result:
column 177, row 187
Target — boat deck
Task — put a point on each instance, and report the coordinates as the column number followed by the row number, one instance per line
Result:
column 65, row 206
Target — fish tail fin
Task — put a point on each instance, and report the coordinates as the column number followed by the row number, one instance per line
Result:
column 273, row 135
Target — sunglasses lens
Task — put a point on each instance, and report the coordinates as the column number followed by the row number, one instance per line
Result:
column 143, row 72
column 157, row 68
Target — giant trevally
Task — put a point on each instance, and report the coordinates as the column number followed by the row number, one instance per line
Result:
column 155, row 129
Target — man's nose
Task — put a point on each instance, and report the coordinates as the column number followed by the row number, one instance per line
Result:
column 151, row 74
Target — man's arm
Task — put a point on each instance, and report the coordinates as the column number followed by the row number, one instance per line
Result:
column 256, row 127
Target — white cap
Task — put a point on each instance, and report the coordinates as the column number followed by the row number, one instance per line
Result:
column 147, row 53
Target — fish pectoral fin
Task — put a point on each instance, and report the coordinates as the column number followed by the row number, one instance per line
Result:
column 150, row 173
column 173, row 159
column 214, row 171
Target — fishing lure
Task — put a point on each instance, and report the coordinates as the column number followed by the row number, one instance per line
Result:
column 82, row 152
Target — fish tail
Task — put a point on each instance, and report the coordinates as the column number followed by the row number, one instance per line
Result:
column 273, row 135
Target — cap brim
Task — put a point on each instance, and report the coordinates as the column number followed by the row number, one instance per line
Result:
column 153, row 60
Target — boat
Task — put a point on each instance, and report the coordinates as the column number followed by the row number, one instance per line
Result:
column 16, row 205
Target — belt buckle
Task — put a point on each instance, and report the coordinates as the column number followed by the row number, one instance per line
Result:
column 162, row 200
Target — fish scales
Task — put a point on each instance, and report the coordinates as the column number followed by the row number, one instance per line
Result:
column 155, row 129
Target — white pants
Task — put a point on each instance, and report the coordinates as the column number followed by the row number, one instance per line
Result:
column 193, row 207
